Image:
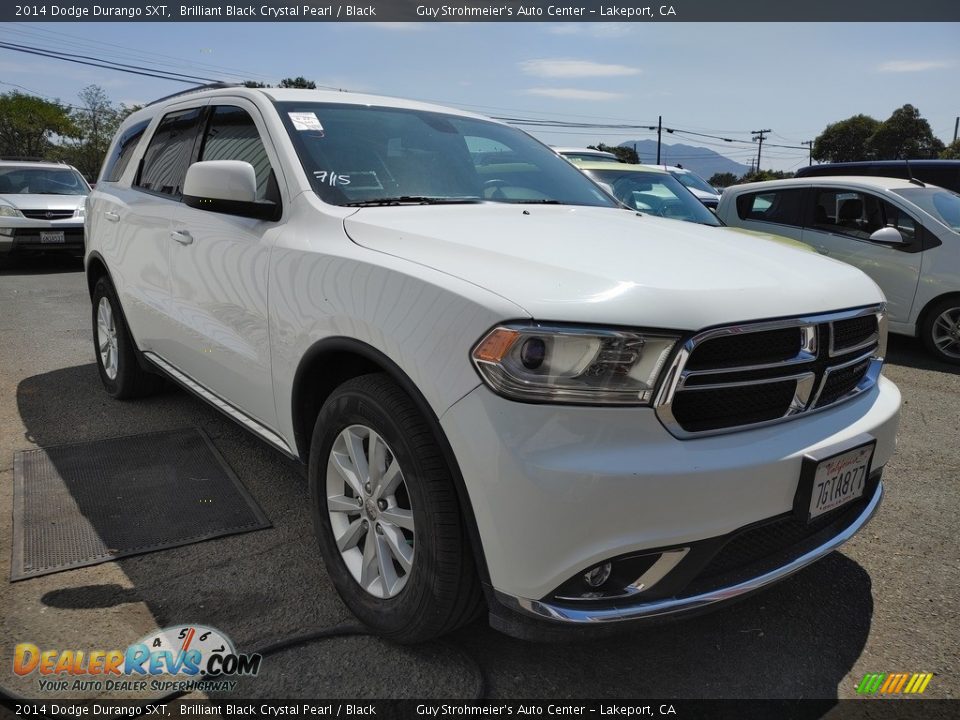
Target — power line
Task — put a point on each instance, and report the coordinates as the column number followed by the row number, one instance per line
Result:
column 98, row 62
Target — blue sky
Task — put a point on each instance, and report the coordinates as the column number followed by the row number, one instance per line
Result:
column 725, row 79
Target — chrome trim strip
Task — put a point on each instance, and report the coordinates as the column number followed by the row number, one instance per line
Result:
column 742, row 383
column 219, row 403
column 659, row 570
column 804, row 401
column 584, row 616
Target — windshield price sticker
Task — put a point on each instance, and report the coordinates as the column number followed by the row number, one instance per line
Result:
column 305, row 121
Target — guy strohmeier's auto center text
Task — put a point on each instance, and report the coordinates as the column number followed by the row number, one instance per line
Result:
column 42, row 11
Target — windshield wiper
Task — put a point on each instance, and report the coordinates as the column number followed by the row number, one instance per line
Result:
column 534, row 202
column 412, row 200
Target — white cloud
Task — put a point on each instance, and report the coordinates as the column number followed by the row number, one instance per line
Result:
column 574, row 94
column 914, row 65
column 565, row 68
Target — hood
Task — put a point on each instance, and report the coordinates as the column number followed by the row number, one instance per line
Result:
column 603, row 265
column 27, row 201
column 773, row 238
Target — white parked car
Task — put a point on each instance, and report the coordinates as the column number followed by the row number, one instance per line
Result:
column 704, row 191
column 41, row 207
column 903, row 234
column 510, row 392
column 586, row 154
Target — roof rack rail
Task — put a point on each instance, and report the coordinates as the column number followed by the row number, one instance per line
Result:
column 197, row 88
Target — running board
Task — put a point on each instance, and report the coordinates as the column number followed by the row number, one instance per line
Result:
column 220, row 404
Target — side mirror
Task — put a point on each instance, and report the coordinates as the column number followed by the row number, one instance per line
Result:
column 226, row 186
column 888, row 235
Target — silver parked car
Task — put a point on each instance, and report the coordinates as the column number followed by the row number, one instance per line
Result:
column 41, row 207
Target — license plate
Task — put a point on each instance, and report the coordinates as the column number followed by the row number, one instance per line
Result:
column 840, row 479
column 52, row 238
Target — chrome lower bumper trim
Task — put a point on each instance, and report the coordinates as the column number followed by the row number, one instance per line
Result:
column 582, row 616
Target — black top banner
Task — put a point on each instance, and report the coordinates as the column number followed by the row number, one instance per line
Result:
column 858, row 11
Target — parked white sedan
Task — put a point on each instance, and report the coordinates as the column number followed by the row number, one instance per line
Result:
column 904, row 234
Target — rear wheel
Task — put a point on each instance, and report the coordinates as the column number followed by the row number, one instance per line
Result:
column 941, row 330
column 387, row 516
column 117, row 362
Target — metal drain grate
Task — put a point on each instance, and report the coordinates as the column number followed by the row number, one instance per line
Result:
column 92, row 502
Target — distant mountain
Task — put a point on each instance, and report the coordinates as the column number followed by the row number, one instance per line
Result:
column 701, row 160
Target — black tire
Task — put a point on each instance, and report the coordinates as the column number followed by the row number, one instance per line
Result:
column 131, row 380
column 442, row 590
column 928, row 328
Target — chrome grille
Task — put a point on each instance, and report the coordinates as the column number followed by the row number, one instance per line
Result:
column 753, row 374
column 47, row 214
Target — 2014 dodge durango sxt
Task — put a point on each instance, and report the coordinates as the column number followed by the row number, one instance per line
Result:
column 510, row 392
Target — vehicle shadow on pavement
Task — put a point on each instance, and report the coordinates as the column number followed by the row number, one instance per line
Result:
column 39, row 264
column 798, row 639
column 909, row 351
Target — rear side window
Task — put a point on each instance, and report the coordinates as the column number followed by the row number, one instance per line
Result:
column 774, row 206
column 123, row 151
column 232, row 135
column 859, row 215
column 169, row 152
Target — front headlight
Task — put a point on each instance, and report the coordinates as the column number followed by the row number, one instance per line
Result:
column 9, row 211
column 582, row 365
column 80, row 213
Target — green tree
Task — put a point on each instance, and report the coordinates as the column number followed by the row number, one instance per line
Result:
column 904, row 135
column 255, row 84
column 624, row 154
column 951, row 151
column 298, row 82
column 30, row 125
column 96, row 119
column 765, row 175
column 846, row 140
column 724, row 179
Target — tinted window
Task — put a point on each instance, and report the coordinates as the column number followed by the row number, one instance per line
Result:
column 774, row 206
column 859, row 215
column 168, row 155
column 123, row 151
column 232, row 135
column 655, row 193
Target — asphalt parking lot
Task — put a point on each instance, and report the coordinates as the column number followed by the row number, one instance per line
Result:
column 889, row 602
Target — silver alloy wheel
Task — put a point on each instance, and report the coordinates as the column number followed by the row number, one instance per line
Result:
column 946, row 332
column 107, row 338
column 370, row 511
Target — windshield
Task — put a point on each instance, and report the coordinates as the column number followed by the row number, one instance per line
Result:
column 359, row 155
column 692, row 180
column 41, row 181
column 942, row 204
column 655, row 193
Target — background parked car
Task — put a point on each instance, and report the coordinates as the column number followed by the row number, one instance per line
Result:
column 945, row 173
column 704, row 191
column 41, row 207
column 905, row 235
column 650, row 189
column 587, row 154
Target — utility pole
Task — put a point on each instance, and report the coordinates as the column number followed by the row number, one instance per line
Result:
column 759, row 135
column 809, row 143
column 659, row 131
column 956, row 126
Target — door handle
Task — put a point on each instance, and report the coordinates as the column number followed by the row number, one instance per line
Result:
column 182, row 237
column 111, row 216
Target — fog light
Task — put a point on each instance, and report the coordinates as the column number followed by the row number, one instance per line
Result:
column 597, row 576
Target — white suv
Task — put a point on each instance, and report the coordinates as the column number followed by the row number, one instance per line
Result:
column 506, row 388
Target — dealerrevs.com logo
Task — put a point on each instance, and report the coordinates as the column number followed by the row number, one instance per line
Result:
column 197, row 657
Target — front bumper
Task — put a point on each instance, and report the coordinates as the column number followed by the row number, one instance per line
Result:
column 28, row 235
column 555, row 490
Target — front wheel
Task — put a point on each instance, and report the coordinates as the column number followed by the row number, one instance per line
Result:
column 387, row 516
column 941, row 330
column 117, row 362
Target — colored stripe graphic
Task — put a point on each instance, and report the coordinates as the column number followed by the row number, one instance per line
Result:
column 894, row 683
